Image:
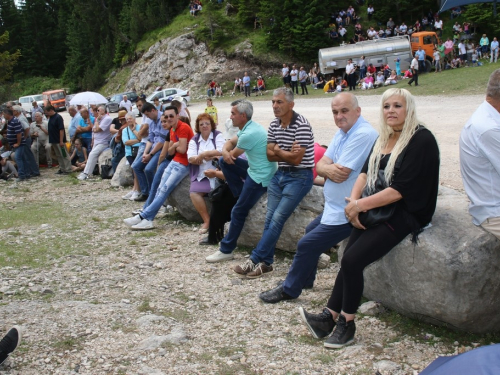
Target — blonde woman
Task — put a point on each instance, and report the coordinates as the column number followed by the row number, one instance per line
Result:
column 410, row 179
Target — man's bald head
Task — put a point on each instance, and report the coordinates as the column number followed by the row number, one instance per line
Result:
column 346, row 111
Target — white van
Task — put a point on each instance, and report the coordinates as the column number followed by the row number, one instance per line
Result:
column 26, row 101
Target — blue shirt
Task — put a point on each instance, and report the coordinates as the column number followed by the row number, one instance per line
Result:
column 75, row 121
column 127, row 135
column 420, row 54
column 246, row 80
column 349, row 150
column 83, row 124
column 480, row 162
column 253, row 140
column 156, row 132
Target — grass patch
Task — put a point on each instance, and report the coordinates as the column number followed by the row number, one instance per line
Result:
column 115, row 83
column 323, row 358
column 68, row 343
column 145, row 234
column 177, row 314
column 307, row 340
column 144, row 307
column 419, row 330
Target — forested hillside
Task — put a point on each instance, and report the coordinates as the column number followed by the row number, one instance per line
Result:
column 82, row 41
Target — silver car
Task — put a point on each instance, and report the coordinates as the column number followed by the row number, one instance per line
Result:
column 167, row 95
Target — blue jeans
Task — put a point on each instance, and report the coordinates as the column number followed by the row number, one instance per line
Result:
column 318, row 238
column 31, row 164
column 284, row 194
column 145, row 172
column 156, row 182
column 23, row 165
column 248, row 193
column 172, row 176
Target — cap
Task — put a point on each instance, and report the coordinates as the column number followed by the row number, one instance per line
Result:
column 178, row 98
column 398, row 60
column 122, row 113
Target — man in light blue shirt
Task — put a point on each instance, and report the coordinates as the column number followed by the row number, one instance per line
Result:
column 340, row 166
column 480, row 159
column 75, row 120
column 494, row 50
column 257, row 172
column 420, row 54
column 246, row 83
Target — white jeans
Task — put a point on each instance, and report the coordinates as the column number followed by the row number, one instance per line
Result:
column 495, row 52
column 93, row 158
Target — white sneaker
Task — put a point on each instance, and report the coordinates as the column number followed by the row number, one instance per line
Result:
column 134, row 195
column 132, row 220
column 128, row 195
column 83, row 176
column 145, row 224
column 219, row 256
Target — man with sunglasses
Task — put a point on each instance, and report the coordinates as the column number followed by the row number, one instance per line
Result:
column 180, row 135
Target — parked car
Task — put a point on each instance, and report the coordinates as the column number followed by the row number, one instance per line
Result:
column 68, row 98
column 56, row 97
column 114, row 101
column 26, row 101
column 167, row 95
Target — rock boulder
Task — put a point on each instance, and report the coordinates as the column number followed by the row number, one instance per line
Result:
column 180, row 200
column 450, row 278
column 123, row 175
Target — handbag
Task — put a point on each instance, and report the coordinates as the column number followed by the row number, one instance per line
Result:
column 379, row 215
column 106, row 171
column 135, row 150
column 217, row 194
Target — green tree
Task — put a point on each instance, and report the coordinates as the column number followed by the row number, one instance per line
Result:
column 481, row 16
column 7, row 60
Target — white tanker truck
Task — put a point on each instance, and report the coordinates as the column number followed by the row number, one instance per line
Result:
column 378, row 52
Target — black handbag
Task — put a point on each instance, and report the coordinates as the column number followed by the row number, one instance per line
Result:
column 135, row 150
column 379, row 215
column 106, row 171
column 216, row 194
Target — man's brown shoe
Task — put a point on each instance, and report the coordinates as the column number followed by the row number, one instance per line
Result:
column 260, row 270
column 244, row 268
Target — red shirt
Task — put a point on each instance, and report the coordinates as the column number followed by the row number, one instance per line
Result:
column 182, row 130
column 371, row 69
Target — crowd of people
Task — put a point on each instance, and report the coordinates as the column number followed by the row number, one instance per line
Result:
column 379, row 187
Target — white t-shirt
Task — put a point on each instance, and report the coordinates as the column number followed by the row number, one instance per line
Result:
column 285, row 72
column 127, row 104
column 294, row 73
column 461, row 48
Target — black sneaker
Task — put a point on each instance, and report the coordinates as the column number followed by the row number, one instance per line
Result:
column 275, row 295
column 9, row 343
column 343, row 334
column 320, row 325
column 141, row 198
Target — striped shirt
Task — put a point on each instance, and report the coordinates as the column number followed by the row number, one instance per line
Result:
column 14, row 127
column 299, row 130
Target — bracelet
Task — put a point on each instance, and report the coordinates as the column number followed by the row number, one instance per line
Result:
column 356, row 204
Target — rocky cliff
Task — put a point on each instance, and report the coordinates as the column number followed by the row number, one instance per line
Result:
column 186, row 63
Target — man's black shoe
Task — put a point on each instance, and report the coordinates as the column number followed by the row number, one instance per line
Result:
column 206, row 241
column 275, row 295
column 320, row 325
column 9, row 343
column 59, row 172
column 343, row 334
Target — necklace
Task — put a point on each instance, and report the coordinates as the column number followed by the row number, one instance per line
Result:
column 397, row 131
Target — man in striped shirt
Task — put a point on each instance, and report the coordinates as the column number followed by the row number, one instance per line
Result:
column 17, row 143
column 290, row 142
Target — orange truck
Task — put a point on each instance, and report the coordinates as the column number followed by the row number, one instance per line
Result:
column 55, row 97
column 426, row 40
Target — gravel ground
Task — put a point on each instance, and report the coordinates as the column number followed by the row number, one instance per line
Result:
column 107, row 300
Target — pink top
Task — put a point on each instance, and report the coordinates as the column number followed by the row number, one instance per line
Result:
column 318, row 154
column 369, row 79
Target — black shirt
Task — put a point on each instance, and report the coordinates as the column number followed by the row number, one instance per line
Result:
column 55, row 125
column 418, row 178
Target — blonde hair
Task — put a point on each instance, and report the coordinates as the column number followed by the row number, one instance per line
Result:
column 385, row 133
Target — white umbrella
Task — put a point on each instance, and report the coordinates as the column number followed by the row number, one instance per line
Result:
column 87, row 98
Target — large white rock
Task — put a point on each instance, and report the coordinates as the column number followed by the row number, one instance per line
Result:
column 123, row 175
column 450, row 278
column 180, row 199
